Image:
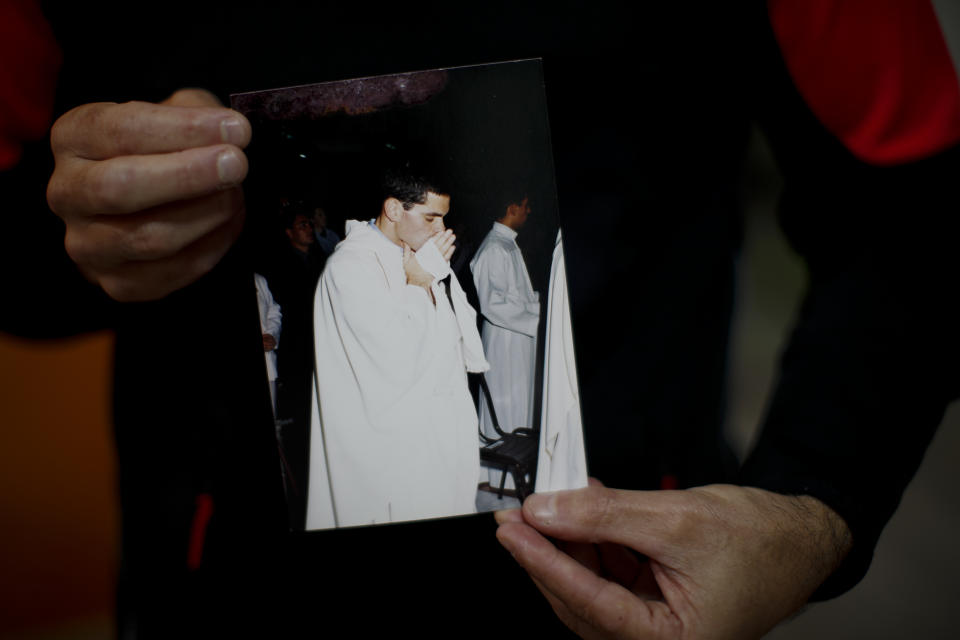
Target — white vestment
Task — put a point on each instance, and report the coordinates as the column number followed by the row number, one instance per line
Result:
column 561, row 462
column 394, row 429
column 270, row 318
column 511, row 313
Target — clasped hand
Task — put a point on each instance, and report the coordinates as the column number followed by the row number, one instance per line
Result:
column 149, row 192
column 416, row 274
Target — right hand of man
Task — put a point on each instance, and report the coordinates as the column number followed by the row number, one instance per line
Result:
column 446, row 243
column 719, row 562
column 150, row 193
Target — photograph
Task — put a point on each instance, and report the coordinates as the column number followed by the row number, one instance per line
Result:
column 412, row 291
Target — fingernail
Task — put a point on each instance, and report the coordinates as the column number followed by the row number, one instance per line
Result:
column 543, row 507
column 232, row 130
column 229, row 167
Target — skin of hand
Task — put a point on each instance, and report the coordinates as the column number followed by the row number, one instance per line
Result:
column 269, row 342
column 150, row 193
column 445, row 243
column 416, row 274
column 718, row 562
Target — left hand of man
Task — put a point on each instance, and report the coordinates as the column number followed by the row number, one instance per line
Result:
column 719, row 562
column 416, row 274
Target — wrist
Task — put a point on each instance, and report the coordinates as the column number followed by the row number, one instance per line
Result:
column 818, row 538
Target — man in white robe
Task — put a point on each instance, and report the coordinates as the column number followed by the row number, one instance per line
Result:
column 511, row 314
column 394, row 428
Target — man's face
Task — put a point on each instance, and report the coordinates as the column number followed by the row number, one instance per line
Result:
column 419, row 223
column 301, row 233
column 517, row 214
column 523, row 211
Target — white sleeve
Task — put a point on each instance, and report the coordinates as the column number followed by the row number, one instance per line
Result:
column 500, row 302
column 270, row 314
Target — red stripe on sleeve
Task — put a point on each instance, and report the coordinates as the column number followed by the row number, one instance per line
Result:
column 876, row 73
column 29, row 62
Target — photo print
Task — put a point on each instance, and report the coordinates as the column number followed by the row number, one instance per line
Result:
column 413, row 299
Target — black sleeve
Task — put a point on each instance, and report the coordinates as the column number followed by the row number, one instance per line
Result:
column 874, row 356
column 873, row 359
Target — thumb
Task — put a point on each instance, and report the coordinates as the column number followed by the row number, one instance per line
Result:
column 646, row 521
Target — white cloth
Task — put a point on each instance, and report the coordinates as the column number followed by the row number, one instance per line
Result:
column 394, row 429
column 511, row 314
column 561, row 462
column 270, row 319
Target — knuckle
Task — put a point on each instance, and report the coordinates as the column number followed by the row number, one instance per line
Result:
column 76, row 245
column 56, row 193
column 110, row 189
column 119, row 288
column 599, row 508
column 687, row 520
column 84, row 118
column 609, row 609
column 125, row 138
column 59, row 133
column 147, row 242
column 195, row 125
column 605, row 501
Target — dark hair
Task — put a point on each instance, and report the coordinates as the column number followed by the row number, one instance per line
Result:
column 292, row 211
column 511, row 194
column 409, row 183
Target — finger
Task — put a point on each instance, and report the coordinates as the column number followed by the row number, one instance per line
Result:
column 620, row 564
column 140, row 281
column 104, row 242
column 193, row 97
column 601, row 604
column 508, row 515
column 584, row 553
column 575, row 624
column 106, row 130
column 651, row 522
column 134, row 183
column 446, row 247
column 447, row 239
column 441, row 237
column 617, row 563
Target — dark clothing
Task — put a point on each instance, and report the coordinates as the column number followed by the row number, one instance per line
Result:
column 864, row 382
column 293, row 275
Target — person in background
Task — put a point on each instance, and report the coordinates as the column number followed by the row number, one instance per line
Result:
column 511, row 316
column 326, row 237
